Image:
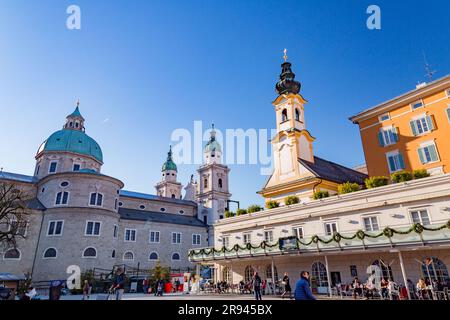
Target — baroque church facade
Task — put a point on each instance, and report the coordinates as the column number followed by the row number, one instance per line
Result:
column 79, row 216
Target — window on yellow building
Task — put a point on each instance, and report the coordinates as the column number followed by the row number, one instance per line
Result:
column 395, row 161
column 387, row 136
column 421, row 125
column 384, row 117
column 416, row 105
column 428, row 153
column 448, row 114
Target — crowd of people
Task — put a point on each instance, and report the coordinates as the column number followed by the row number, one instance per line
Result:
column 387, row 289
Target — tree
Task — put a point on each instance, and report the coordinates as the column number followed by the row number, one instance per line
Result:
column 12, row 215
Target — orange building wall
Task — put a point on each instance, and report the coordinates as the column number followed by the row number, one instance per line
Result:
column 434, row 105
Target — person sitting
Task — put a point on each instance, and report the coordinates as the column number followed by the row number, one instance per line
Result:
column 384, row 289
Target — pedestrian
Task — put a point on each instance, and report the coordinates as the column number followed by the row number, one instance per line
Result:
column 384, row 289
column 145, row 285
column 160, row 288
column 256, row 282
column 357, row 288
column 118, row 283
column 302, row 288
column 287, row 286
column 86, row 290
column 263, row 287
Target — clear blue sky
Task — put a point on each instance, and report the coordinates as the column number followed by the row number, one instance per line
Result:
column 153, row 66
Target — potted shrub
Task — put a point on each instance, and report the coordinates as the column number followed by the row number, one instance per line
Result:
column 374, row 182
column 320, row 195
column 420, row 173
column 401, row 176
column 240, row 212
column 229, row 214
column 272, row 204
column 291, row 200
column 254, row 208
column 348, row 187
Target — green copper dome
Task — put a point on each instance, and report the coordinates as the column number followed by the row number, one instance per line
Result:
column 212, row 144
column 169, row 164
column 72, row 141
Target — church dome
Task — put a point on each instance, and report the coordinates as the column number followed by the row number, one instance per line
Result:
column 72, row 141
column 169, row 164
column 213, row 145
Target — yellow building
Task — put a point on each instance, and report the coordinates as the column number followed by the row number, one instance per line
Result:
column 297, row 171
column 409, row 132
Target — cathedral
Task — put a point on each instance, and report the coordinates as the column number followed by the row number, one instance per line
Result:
column 79, row 216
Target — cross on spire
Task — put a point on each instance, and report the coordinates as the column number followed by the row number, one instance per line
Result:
column 285, row 57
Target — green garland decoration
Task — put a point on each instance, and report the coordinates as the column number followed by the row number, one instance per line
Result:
column 337, row 237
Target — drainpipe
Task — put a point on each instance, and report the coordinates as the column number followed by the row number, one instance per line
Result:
column 37, row 244
column 314, row 188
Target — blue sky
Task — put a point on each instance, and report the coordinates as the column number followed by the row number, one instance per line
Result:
column 150, row 67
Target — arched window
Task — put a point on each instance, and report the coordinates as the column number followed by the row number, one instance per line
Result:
column 284, row 116
column 96, row 199
column 61, row 198
column 50, row 253
column 128, row 255
column 90, row 253
column 12, row 254
column 435, row 269
column 220, row 183
column 173, row 196
column 297, row 114
column 386, row 271
column 226, row 274
column 269, row 273
column 153, row 256
column 248, row 274
column 175, row 256
column 319, row 274
column 113, row 254
column 205, row 183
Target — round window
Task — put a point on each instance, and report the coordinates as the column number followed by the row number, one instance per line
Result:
column 181, row 212
column 162, row 209
column 64, row 184
column 120, row 204
column 142, row 207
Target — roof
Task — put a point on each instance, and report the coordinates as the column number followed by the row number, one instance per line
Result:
column 72, row 141
column 331, row 171
column 76, row 113
column 35, row 204
column 17, row 177
column 408, row 95
column 145, row 196
column 151, row 216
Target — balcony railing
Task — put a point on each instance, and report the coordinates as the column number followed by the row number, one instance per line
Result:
column 388, row 237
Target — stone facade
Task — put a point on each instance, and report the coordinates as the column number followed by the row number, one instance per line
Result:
column 79, row 216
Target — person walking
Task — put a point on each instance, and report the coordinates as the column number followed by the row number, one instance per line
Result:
column 287, row 286
column 145, row 283
column 118, row 283
column 86, row 290
column 357, row 288
column 256, row 281
column 302, row 288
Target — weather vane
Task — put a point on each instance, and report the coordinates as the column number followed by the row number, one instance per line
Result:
column 285, row 57
column 78, row 102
